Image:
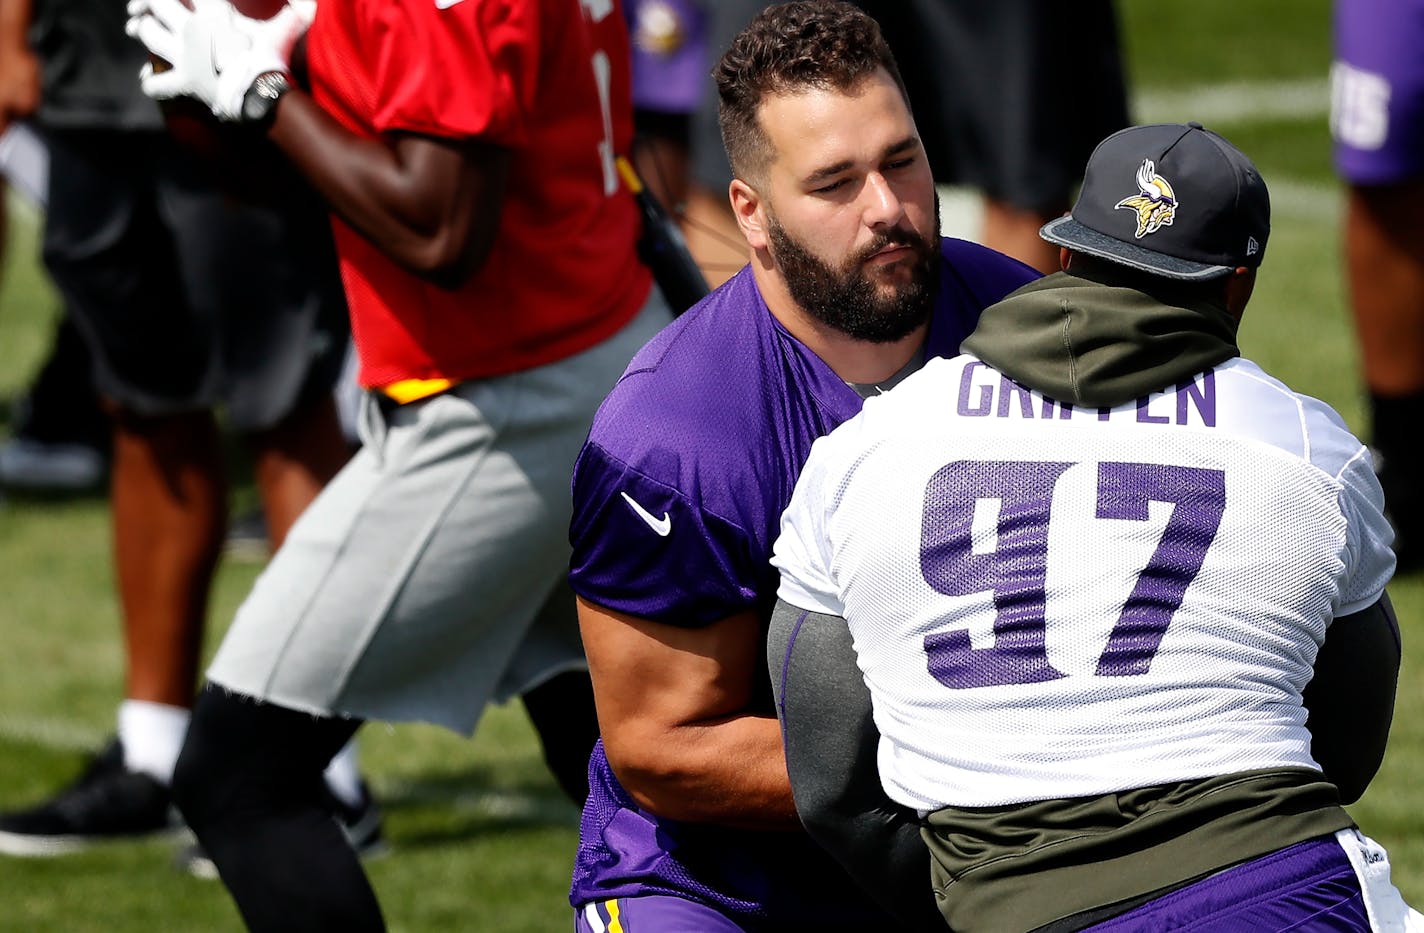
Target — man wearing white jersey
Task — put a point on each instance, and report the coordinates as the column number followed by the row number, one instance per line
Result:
column 1091, row 620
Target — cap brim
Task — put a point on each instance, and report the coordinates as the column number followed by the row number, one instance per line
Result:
column 1065, row 231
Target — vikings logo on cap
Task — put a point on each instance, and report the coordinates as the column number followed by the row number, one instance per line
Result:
column 1156, row 206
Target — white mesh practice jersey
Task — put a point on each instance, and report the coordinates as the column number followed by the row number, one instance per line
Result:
column 1053, row 602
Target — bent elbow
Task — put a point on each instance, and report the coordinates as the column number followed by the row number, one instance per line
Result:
column 652, row 780
column 824, row 814
column 1351, row 781
column 443, row 263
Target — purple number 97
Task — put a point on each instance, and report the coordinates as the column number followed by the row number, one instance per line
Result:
column 1016, row 567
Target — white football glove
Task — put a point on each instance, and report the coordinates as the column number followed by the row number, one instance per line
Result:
column 215, row 52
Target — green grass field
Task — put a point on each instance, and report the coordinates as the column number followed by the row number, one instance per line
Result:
column 481, row 838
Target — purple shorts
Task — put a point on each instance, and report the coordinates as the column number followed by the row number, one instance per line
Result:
column 670, row 65
column 1305, row 888
column 652, row 914
column 1377, row 90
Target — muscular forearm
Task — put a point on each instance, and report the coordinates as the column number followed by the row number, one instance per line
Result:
column 729, row 771
column 385, row 191
column 679, row 724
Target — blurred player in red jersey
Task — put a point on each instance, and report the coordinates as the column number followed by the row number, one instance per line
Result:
column 467, row 153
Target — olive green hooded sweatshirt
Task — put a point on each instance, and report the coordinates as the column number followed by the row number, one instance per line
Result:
column 1082, row 340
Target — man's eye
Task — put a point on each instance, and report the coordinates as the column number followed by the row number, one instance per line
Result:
column 826, row 189
column 899, row 164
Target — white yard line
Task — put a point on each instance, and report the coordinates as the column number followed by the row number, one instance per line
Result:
column 1232, row 102
column 1304, row 201
column 52, row 733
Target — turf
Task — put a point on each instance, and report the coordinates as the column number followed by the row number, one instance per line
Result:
column 481, row 838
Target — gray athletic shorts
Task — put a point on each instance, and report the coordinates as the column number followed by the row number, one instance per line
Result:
column 429, row 577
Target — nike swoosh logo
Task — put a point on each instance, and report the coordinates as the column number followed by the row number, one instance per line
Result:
column 661, row 525
column 446, row 4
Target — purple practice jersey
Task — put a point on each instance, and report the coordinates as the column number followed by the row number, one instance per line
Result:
column 1377, row 90
column 678, row 494
column 669, row 53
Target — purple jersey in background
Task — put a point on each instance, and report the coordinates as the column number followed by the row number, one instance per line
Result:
column 678, row 495
column 670, row 62
column 1377, row 90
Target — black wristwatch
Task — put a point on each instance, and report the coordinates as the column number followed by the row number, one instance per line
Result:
column 260, row 101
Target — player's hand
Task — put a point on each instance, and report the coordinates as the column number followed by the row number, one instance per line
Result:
column 215, row 52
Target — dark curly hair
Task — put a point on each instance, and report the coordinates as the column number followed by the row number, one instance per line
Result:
column 824, row 44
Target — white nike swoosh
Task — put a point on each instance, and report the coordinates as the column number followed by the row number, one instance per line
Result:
column 445, row 4
column 661, row 525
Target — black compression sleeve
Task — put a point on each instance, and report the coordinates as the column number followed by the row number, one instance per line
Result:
column 831, row 741
column 1350, row 701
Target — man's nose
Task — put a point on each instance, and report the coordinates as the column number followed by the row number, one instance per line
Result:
column 883, row 207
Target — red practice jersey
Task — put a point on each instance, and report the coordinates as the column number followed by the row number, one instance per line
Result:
column 546, row 79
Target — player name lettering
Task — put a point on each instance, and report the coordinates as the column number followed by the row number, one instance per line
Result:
column 986, row 394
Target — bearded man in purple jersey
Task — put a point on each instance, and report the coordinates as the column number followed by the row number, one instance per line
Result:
column 690, row 824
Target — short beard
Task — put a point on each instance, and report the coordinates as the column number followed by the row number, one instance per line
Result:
column 846, row 299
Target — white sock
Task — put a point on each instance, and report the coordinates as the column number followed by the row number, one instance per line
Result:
column 343, row 776
column 152, row 736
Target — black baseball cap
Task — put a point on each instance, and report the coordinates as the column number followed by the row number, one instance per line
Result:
column 1172, row 199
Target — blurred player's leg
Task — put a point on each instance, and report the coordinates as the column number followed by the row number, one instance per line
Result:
column 1014, row 231
column 1384, row 251
column 294, row 459
column 169, row 496
column 1377, row 125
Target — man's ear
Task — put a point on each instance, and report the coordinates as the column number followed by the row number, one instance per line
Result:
column 747, row 208
column 1239, row 286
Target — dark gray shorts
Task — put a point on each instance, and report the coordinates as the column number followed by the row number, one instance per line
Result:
column 189, row 298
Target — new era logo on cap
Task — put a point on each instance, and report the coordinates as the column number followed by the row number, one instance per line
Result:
column 1173, row 199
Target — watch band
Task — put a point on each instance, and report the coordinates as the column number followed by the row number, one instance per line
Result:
column 259, row 104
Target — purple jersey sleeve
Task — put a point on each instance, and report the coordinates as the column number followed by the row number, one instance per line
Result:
column 670, row 49
column 1377, row 91
column 658, row 532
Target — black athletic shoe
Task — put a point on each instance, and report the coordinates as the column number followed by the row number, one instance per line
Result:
column 362, row 824
column 107, row 802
